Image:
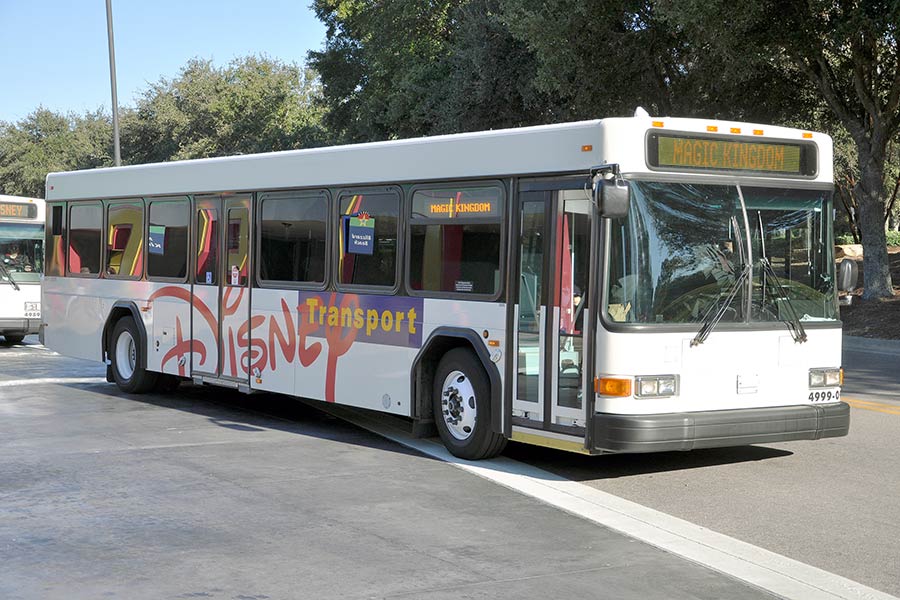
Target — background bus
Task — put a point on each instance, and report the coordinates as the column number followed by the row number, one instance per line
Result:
column 21, row 265
column 619, row 285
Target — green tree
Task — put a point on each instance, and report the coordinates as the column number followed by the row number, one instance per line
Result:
column 254, row 104
column 847, row 51
column 407, row 68
column 46, row 141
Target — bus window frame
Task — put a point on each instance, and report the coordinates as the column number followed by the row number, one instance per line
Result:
column 276, row 284
column 503, row 218
column 401, row 241
column 148, row 202
column 102, row 228
column 104, row 265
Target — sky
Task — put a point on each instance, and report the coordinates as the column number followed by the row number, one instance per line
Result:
column 54, row 53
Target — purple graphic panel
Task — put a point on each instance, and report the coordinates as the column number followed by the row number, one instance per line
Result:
column 390, row 320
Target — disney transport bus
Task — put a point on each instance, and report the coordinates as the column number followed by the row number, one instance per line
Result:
column 617, row 285
column 21, row 264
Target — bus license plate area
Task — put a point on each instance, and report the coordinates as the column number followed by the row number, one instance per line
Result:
column 32, row 310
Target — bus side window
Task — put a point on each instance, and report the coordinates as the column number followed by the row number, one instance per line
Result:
column 369, row 232
column 85, row 238
column 207, row 246
column 124, row 243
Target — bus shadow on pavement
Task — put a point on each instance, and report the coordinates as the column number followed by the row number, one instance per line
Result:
column 254, row 413
column 611, row 466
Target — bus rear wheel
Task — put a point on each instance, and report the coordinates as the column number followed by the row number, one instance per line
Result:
column 462, row 411
column 126, row 355
column 14, row 339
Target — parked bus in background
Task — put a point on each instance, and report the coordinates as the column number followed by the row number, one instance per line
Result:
column 21, row 265
column 617, row 285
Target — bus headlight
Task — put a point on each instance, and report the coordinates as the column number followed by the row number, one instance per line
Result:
column 656, row 386
column 825, row 378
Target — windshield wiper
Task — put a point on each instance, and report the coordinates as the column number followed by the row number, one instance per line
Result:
column 6, row 274
column 770, row 279
column 710, row 320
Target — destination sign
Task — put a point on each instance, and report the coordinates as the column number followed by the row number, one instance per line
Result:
column 675, row 152
column 455, row 204
column 18, row 210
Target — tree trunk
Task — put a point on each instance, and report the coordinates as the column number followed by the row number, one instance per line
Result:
column 870, row 195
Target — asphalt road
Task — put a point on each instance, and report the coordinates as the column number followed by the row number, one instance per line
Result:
column 832, row 503
column 208, row 493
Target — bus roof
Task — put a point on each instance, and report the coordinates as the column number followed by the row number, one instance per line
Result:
column 543, row 149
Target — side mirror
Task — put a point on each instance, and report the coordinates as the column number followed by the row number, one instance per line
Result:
column 848, row 275
column 612, row 197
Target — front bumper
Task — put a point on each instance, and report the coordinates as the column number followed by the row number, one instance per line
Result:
column 720, row 428
column 19, row 326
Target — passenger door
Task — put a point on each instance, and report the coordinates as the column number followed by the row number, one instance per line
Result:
column 551, row 308
column 221, row 298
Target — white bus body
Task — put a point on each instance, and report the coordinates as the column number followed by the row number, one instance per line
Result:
column 21, row 265
column 473, row 280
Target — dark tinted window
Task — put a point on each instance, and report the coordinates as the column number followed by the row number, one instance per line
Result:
column 85, row 227
column 167, row 238
column 292, row 238
column 369, row 227
column 455, row 240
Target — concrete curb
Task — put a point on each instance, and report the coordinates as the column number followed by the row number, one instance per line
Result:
column 861, row 344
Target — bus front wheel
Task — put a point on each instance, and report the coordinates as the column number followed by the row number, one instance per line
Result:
column 126, row 353
column 462, row 410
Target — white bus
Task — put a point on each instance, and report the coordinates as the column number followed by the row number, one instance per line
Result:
column 21, row 265
column 617, row 285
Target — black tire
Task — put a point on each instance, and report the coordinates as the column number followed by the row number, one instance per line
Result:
column 12, row 340
column 127, row 372
column 460, row 398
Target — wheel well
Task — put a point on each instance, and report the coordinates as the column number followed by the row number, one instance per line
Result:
column 118, row 312
column 426, row 364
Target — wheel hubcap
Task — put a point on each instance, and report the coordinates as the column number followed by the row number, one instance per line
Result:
column 126, row 355
column 458, row 405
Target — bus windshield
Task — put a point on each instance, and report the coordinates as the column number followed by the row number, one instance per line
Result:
column 21, row 252
column 681, row 252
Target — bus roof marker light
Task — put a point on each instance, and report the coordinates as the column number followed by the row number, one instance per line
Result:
column 757, row 132
column 587, row 148
column 807, row 135
column 658, row 124
column 712, row 128
column 735, row 130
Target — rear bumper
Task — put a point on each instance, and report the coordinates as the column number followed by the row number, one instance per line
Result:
column 720, row 428
column 19, row 326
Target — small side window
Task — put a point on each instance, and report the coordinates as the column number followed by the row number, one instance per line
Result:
column 85, row 238
column 207, row 250
column 55, row 242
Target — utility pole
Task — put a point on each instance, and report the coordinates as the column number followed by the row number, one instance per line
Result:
column 112, row 84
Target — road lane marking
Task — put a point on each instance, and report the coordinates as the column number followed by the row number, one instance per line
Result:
column 50, row 380
column 773, row 572
column 890, row 409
